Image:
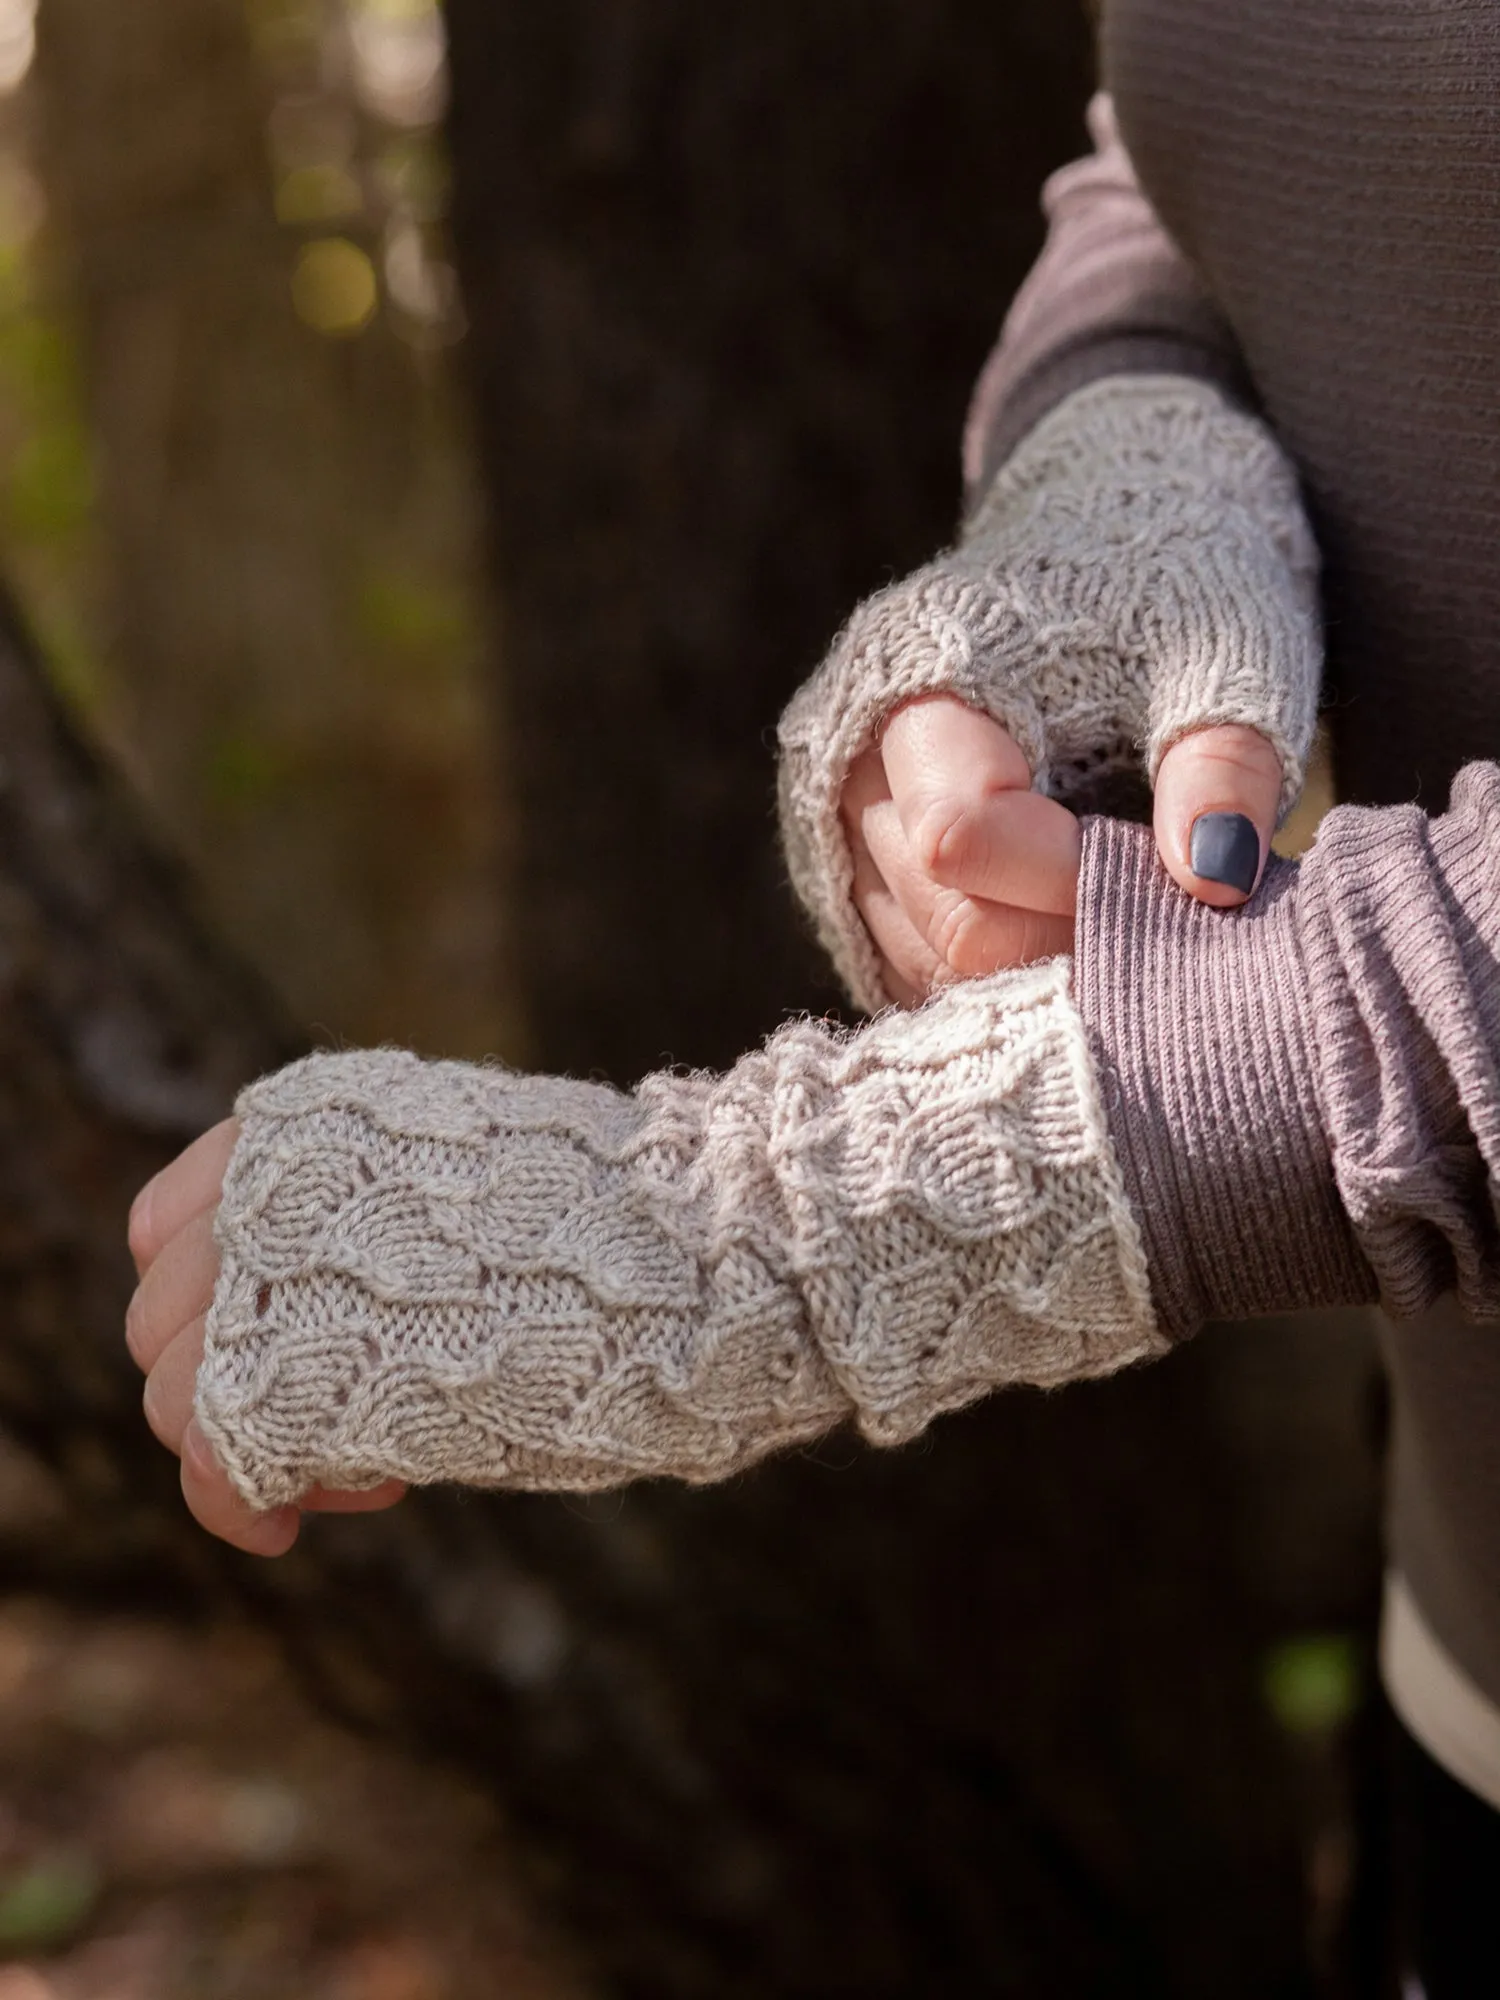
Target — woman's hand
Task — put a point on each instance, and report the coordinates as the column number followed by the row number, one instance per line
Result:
column 172, row 1242
column 960, row 869
column 1135, row 597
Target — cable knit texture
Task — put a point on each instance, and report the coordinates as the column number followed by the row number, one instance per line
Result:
column 1140, row 567
column 444, row 1272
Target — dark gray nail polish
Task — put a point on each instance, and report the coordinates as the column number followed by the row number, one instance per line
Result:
column 1224, row 847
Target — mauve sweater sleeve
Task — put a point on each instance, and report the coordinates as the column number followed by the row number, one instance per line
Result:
column 1111, row 294
column 1305, row 1093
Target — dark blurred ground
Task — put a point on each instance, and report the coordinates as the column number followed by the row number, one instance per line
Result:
column 176, row 1824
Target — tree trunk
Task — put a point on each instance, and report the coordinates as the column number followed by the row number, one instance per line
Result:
column 290, row 664
column 730, row 273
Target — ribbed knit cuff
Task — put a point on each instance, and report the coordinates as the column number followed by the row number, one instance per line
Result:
column 1094, row 355
column 1201, row 1025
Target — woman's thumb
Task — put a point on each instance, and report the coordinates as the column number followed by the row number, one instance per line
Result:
column 1217, row 793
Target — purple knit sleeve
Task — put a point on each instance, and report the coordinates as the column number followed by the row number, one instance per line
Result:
column 1111, row 294
column 1305, row 1093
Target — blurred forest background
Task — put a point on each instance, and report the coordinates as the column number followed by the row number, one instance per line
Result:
column 432, row 447
column 241, row 492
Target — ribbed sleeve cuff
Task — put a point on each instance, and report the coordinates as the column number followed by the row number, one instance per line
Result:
column 997, row 426
column 1201, row 1024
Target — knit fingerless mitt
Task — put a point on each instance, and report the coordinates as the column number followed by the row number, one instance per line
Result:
column 1140, row 567
column 442, row 1272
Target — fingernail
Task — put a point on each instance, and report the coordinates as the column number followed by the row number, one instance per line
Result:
column 1224, row 847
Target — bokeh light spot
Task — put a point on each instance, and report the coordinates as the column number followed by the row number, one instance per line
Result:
column 399, row 50
column 17, row 41
column 47, row 1901
column 317, row 194
column 334, row 288
column 1312, row 1683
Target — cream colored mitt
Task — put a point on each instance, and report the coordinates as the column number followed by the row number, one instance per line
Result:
column 1141, row 567
column 444, row 1272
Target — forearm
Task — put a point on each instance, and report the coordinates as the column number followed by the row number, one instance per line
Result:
column 1304, row 1093
column 438, row 1272
column 1111, row 294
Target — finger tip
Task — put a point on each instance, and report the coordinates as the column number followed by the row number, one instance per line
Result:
column 1202, row 889
column 1215, row 854
column 1214, row 895
column 1225, row 854
column 1217, row 794
column 274, row 1534
column 139, row 1235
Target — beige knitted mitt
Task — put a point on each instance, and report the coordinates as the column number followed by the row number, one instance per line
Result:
column 452, row 1273
column 1140, row 567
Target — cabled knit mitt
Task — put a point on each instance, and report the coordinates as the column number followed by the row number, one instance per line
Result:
column 444, row 1272
column 1141, row 567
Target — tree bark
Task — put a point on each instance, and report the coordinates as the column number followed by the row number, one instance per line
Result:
column 730, row 274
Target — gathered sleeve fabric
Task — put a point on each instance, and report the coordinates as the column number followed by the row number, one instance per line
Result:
column 1111, row 294
column 1305, row 1093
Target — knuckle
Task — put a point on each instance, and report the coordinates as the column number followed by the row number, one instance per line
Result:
column 947, row 838
column 962, row 940
column 1230, row 750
